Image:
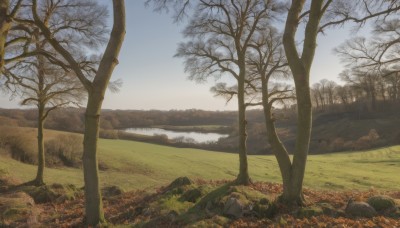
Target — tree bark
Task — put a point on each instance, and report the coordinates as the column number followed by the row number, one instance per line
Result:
column 304, row 125
column 300, row 67
column 243, row 178
column 93, row 201
column 96, row 92
column 279, row 150
column 39, row 180
column 5, row 24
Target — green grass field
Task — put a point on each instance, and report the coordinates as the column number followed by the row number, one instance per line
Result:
column 135, row 165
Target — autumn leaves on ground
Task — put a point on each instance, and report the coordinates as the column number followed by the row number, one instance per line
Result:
column 142, row 193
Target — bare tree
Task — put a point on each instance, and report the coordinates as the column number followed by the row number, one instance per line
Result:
column 373, row 62
column 344, row 94
column 88, row 15
column 317, row 95
column 15, row 33
column 220, row 33
column 317, row 15
column 7, row 14
column 47, row 86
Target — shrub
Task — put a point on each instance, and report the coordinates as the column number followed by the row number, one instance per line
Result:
column 367, row 141
column 108, row 134
column 64, row 150
column 21, row 145
column 337, row 144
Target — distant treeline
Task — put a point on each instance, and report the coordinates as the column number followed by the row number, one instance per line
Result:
column 72, row 119
column 337, row 127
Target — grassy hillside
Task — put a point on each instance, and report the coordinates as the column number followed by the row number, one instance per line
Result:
column 135, row 165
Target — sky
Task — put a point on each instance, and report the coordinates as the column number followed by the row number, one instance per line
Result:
column 154, row 79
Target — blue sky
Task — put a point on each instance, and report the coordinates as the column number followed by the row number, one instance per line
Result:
column 153, row 79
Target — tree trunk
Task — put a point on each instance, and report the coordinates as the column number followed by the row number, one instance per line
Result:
column 39, row 180
column 243, row 178
column 93, row 200
column 304, row 125
column 300, row 67
column 279, row 150
column 96, row 90
column 5, row 24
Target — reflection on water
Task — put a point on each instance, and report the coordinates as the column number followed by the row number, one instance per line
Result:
column 196, row 136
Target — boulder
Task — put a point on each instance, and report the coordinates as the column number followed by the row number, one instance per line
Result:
column 264, row 208
column 51, row 193
column 381, row 203
column 179, row 182
column 233, row 208
column 360, row 209
column 192, row 195
column 17, row 208
column 42, row 194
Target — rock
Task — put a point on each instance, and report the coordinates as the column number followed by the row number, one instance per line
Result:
column 360, row 209
column 233, row 208
column 381, row 203
column 17, row 208
column 179, row 182
column 328, row 209
column 264, row 208
column 192, row 195
column 110, row 191
column 42, row 194
column 308, row 212
column 51, row 193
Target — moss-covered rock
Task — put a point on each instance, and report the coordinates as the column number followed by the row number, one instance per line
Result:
column 360, row 209
column 42, row 194
column 264, row 208
column 308, row 212
column 17, row 208
column 192, row 195
column 179, row 182
column 51, row 193
column 234, row 207
column 381, row 203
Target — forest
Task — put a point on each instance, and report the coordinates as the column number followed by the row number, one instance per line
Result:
column 294, row 154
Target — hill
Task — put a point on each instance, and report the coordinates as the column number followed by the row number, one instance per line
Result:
column 334, row 130
column 135, row 165
column 135, row 177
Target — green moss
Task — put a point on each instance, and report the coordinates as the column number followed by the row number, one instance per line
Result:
column 51, row 193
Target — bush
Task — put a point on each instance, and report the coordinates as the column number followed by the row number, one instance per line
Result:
column 367, row 141
column 337, row 144
column 21, row 145
column 108, row 134
column 64, row 150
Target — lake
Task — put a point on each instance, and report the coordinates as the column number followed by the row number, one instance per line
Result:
column 196, row 136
